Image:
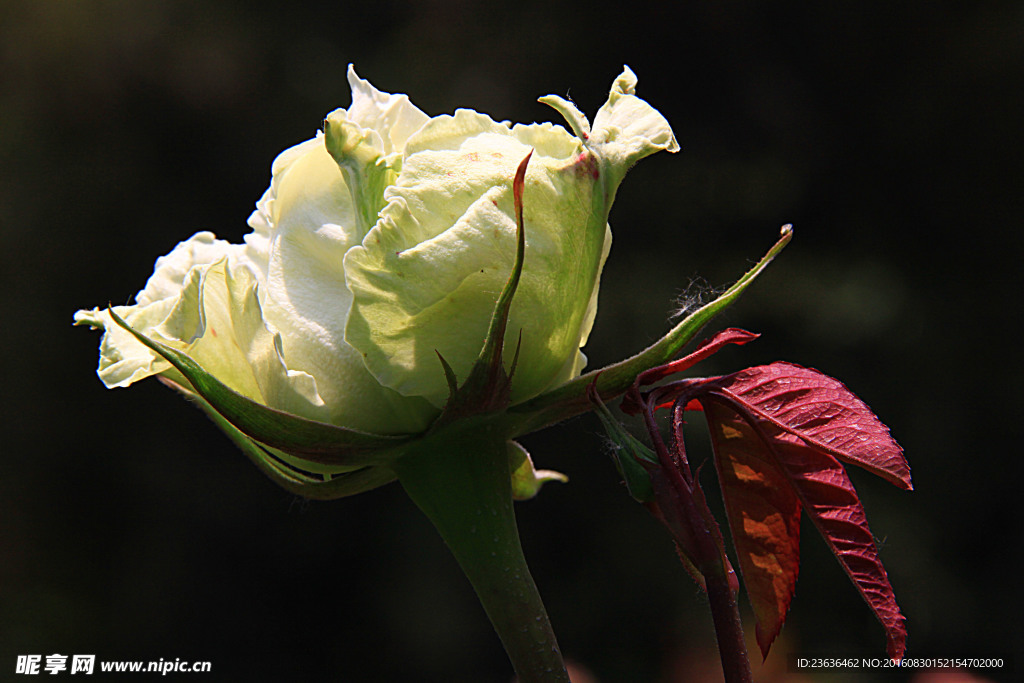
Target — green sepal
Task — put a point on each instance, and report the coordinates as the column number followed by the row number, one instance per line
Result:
column 488, row 386
column 526, row 480
column 298, row 436
column 571, row 398
column 303, row 478
column 449, row 376
column 627, row 452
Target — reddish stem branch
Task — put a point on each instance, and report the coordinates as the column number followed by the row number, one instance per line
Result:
column 708, row 555
column 732, row 648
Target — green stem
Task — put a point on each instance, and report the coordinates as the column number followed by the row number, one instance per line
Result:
column 460, row 480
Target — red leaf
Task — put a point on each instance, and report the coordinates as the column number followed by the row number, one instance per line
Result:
column 832, row 504
column 764, row 516
column 705, row 349
column 777, row 432
column 822, row 412
column 631, row 403
column 756, row 457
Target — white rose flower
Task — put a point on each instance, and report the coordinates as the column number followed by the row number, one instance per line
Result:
column 383, row 242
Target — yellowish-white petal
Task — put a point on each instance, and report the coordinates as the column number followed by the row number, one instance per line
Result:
column 426, row 277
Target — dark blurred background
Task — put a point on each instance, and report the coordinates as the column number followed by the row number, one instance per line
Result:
column 889, row 134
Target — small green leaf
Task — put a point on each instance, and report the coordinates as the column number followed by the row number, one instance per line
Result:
column 627, row 453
